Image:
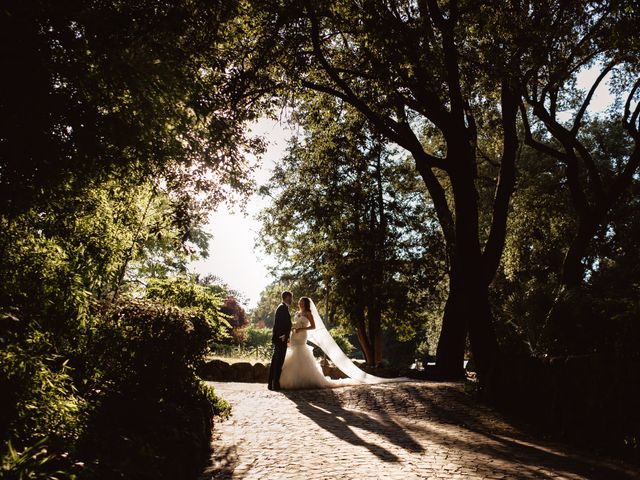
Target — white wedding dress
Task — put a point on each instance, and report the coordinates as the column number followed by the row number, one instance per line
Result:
column 300, row 368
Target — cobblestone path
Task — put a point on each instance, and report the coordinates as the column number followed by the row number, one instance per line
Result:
column 412, row 430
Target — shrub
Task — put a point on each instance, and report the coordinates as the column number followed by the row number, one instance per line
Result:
column 151, row 416
column 238, row 336
column 34, row 461
column 341, row 337
column 258, row 337
column 39, row 398
column 186, row 293
column 41, row 412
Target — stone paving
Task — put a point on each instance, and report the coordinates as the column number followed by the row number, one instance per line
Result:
column 404, row 431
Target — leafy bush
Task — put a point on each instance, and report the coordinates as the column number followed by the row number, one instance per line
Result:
column 34, row 461
column 41, row 412
column 132, row 406
column 258, row 337
column 186, row 293
column 39, row 398
column 151, row 416
column 341, row 336
column 238, row 336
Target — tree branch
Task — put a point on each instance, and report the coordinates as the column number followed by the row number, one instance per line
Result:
column 439, row 198
column 451, row 61
column 570, row 142
column 630, row 124
column 535, row 144
column 506, row 183
column 587, row 100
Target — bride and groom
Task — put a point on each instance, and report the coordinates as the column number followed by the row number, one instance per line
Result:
column 293, row 365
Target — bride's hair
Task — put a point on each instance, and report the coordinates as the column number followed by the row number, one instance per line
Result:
column 307, row 303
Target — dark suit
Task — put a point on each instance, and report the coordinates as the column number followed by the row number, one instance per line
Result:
column 281, row 326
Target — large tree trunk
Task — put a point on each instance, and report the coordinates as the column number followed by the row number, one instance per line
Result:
column 365, row 345
column 358, row 318
column 467, row 308
column 572, row 266
column 451, row 344
column 375, row 335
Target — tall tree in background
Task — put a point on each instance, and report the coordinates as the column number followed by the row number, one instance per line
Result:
column 599, row 151
column 130, row 116
column 432, row 67
column 349, row 212
column 432, row 80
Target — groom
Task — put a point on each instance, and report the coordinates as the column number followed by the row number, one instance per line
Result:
column 281, row 333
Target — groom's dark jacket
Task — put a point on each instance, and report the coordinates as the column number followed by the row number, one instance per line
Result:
column 282, row 323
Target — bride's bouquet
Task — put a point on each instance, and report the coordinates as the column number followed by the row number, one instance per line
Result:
column 296, row 325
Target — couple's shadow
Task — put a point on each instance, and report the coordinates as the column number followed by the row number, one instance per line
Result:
column 325, row 408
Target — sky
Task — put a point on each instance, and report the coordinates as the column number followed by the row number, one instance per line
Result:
column 233, row 255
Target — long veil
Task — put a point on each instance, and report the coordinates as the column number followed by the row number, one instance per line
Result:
column 322, row 338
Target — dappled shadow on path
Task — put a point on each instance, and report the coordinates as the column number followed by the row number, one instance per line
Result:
column 325, row 409
column 453, row 419
column 421, row 419
column 411, row 429
column 222, row 464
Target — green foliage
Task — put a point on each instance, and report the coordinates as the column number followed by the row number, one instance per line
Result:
column 220, row 407
column 140, row 335
column 363, row 243
column 264, row 313
column 38, row 284
column 538, row 232
column 258, row 337
column 187, row 293
column 40, row 398
column 32, row 462
column 249, row 342
column 536, row 314
column 341, row 336
column 135, row 88
column 150, row 415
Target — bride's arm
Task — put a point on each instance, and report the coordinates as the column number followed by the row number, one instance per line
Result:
column 312, row 323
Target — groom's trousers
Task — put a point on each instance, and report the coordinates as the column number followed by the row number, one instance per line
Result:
column 277, row 359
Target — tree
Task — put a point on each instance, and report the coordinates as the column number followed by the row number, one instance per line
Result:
column 235, row 312
column 429, row 68
column 348, row 212
column 597, row 178
column 559, row 120
column 188, row 294
column 538, row 231
column 135, row 89
column 445, row 70
column 263, row 313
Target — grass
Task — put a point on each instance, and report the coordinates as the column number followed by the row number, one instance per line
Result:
column 238, row 353
column 230, row 360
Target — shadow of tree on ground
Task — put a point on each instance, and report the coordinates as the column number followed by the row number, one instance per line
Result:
column 409, row 411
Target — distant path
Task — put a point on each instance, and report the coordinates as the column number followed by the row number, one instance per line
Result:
column 395, row 431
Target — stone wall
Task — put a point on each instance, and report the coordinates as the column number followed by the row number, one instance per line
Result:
column 220, row 371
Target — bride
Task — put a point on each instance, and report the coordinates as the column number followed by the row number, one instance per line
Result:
column 300, row 369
